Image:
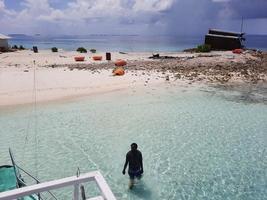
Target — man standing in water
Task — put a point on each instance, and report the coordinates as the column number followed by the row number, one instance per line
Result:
column 135, row 161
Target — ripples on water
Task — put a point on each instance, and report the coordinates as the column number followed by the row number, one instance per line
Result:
column 247, row 94
column 195, row 144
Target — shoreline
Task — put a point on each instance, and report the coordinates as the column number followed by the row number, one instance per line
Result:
column 136, row 90
column 58, row 76
column 60, row 84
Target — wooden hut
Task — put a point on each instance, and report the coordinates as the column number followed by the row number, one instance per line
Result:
column 224, row 40
column 3, row 42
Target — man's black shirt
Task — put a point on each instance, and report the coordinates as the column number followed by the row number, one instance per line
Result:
column 135, row 160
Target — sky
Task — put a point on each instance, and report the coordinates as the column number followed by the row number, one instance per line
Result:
column 142, row 17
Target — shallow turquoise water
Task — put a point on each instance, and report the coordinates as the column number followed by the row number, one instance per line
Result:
column 196, row 144
column 128, row 43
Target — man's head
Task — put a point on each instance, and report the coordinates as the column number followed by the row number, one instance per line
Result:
column 134, row 146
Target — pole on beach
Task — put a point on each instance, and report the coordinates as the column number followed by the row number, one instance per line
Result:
column 242, row 23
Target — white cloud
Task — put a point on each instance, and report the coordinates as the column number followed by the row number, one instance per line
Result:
column 115, row 16
column 90, row 12
column 86, row 9
column 152, row 5
column 5, row 13
column 54, row 15
column 2, row 5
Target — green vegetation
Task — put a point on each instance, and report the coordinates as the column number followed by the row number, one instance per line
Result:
column 204, row 48
column 81, row 50
column 21, row 47
column 18, row 48
column 54, row 49
column 93, row 50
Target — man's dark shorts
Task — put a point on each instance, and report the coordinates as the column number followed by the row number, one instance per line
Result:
column 135, row 173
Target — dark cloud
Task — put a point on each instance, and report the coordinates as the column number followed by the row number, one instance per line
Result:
column 197, row 16
column 191, row 16
column 249, row 9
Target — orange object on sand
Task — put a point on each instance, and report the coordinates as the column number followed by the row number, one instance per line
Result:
column 120, row 63
column 118, row 71
column 97, row 57
column 79, row 58
column 238, row 51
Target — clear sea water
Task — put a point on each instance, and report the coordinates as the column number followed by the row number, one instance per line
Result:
column 127, row 43
column 197, row 143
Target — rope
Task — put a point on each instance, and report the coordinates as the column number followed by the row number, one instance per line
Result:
column 31, row 114
column 35, row 122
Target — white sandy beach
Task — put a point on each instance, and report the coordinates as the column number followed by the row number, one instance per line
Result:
column 17, row 86
column 17, row 77
column 17, row 74
column 46, row 57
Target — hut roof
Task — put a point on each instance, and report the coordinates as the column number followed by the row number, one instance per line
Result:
column 230, row 32
column 4, row 37
column 223, row 36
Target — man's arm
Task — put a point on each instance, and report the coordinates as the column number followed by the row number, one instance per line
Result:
column 125, row 165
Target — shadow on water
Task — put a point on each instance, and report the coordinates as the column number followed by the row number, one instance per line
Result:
column 141, row 190
column 246, row 94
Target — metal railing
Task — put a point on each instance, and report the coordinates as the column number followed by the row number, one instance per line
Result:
column 74, row 181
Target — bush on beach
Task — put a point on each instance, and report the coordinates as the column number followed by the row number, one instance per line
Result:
column 18, row 48
column 81, row 50
column 15, row 47
column 21, row 47
column 54, row 49
column 93, row 50
column 203, row 48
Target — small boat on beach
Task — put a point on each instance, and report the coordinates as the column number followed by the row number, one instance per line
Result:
column 118, row 71
column 97, row 58
column 120, row 63
column 79, row 58
column 237, row 51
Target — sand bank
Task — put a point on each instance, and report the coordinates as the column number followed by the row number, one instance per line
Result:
column 17, row 85
column 58, row 76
